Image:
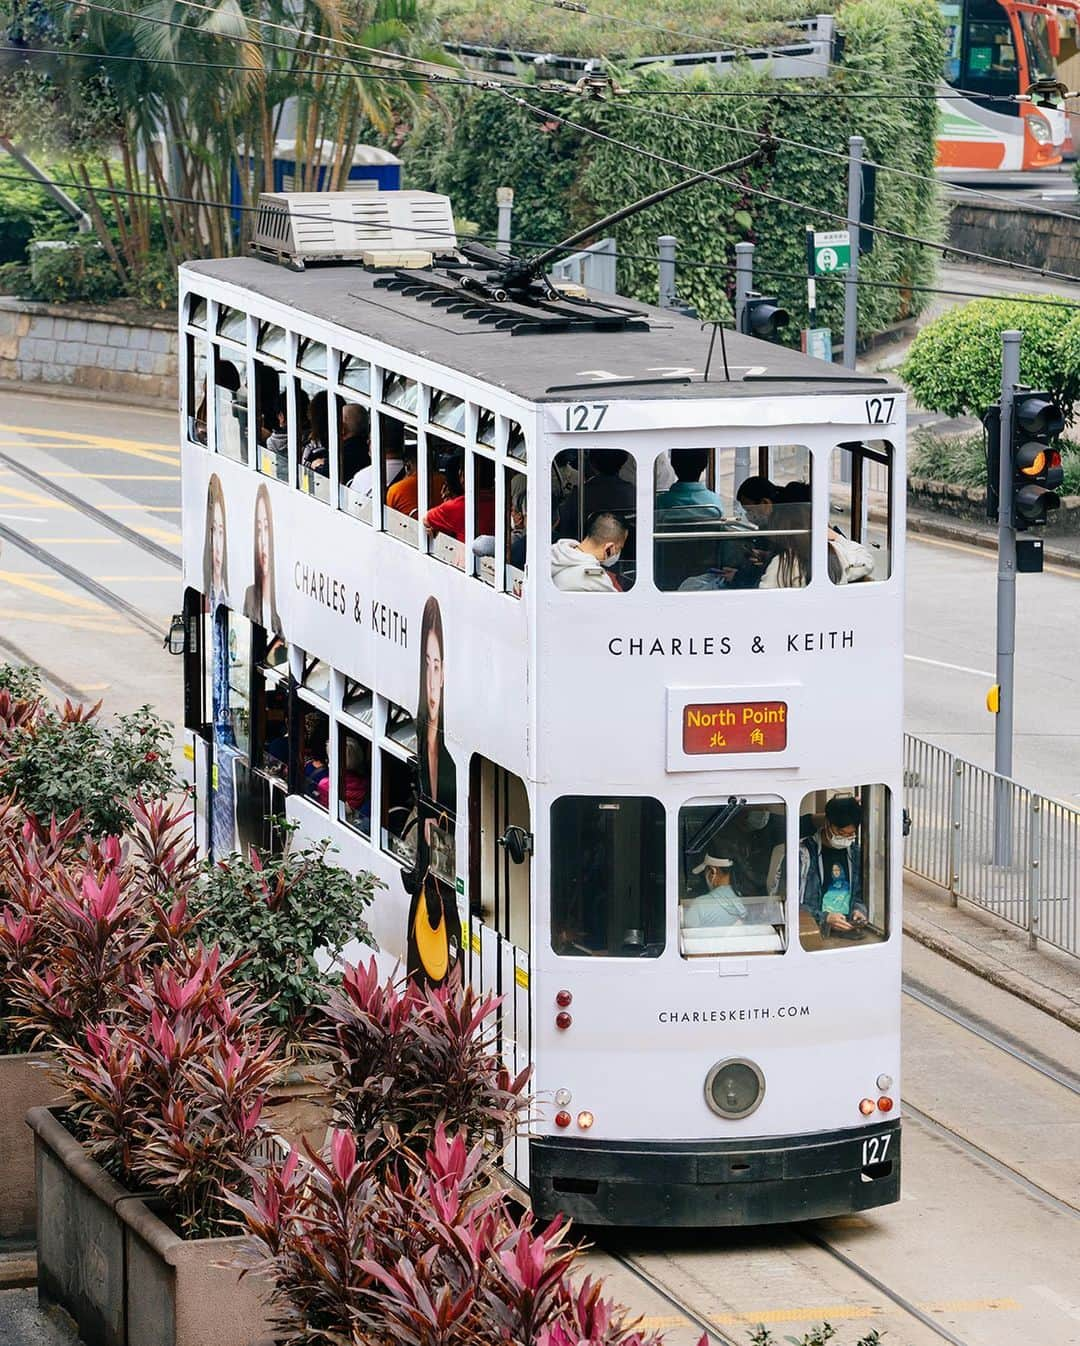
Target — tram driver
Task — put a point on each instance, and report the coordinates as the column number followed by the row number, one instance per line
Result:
column 830, row 871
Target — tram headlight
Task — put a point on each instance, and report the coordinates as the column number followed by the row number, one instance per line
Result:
column 734, row 1088
column 1039, row 128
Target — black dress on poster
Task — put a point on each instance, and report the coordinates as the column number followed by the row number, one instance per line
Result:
column 433, row 943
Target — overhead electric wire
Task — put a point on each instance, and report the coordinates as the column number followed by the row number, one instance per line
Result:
column 684, row 262
column 945, row 249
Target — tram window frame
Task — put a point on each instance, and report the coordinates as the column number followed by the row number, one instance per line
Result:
column 198, row 311
column 487, row 427
column 358, row 703
column 575, row 899
column 572, row 517
column 447, row 464
column 482, row 464
column 229, row 320
column 313, row 358
column 353, row 818
column 695, row 551
column 516, row 443
column 272, row 344
column 874, row 869
column 271, row 462
column 514, row 575
column 231, row 405
column 269, row 675
column 309, row 480
column 717, row 835
column 849, row 512
column 445, row 405
column 197, row 670
column 500, row 891
column 400, row 727
column 198, row 358
column 350, row 500
column 402, row 393
column 239, row 679
column 395, row 437
column 310, row 709
column 354, row 375
column 397, row 795
column 314, row 666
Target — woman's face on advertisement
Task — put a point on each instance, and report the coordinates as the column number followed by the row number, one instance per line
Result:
column 262, row 537
column 433, row 663
column 217, row 540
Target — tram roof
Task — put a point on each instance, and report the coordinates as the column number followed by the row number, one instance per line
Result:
column 539, row 367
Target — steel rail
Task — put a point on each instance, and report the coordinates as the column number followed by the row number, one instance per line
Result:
column 711, row 1329
column 93, row 512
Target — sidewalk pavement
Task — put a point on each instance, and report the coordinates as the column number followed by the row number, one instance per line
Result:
column 1059, row 549
column 993, row 950
column 22, row 1323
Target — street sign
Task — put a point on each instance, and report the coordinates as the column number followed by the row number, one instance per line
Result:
column 832, row 251
column 817, row 341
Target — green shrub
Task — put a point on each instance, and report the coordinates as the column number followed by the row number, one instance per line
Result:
column 471, row 143
column 72, row 269
column 961, row 459
column 26, row 212
column 954, row 364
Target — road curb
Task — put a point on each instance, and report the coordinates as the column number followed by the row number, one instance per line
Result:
column 1024, row 988
column 951, row 531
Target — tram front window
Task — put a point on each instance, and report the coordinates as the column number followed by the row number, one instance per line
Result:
column 843, row 872
column 732, row 518
column 607, row 877
column 860, row 511
column 731, row 878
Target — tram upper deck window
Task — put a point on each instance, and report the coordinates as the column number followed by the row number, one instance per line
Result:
column 311, row 358
column 482, row 504
column 719, row 524
column 313, row 440
column 860, row 511
column 197, row 311
column 354, row 781
column 731, row 875
column 400, row 392
column 447, row 412
column 197, row 361
column 515, row 441
column 395, row 479
column 594, row 504
column 272, row 341
column 232, row 324
column 843, row 871
column 444, row 520
column 354, row 457
column 485, row 427
column 356, row 374
column 271, row 421
column 515, row 535
column 401, row 727
column 607, row 877
column 231, row 405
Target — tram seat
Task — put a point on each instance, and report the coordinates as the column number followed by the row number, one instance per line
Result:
column 709, row 941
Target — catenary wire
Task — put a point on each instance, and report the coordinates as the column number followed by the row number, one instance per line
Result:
column 687, row 263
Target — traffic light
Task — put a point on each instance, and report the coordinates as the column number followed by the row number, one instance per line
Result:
column 763, row 317
column 1037, row 420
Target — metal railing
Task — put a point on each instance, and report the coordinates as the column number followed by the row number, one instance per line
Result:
column 1027, row 872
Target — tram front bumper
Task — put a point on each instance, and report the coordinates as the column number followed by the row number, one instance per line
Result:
column 715, row 1183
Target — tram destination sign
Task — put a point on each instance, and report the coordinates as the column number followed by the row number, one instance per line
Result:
column 734, row 726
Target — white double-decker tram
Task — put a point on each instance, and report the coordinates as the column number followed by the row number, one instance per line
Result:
column 591, row 651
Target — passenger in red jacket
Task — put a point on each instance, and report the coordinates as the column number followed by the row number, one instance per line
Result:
column 449, row 517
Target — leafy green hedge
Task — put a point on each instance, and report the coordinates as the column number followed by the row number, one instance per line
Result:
column 961, row 459
column 472, row 143
column 954, row 364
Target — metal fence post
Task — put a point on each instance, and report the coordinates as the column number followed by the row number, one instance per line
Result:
column 1034, row 870
column 666, row 247
column 955, row 795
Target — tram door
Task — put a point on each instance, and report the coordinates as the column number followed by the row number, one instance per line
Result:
column 500, row 889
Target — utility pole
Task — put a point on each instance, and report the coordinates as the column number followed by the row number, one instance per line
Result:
column 851, row 281
column 667, row 294
column 744, row 284
column 1006, row 601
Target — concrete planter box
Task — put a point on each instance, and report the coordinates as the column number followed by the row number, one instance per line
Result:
column 969, row 502
column 124, row 1276
column 298, row 1105
column 24, row 1083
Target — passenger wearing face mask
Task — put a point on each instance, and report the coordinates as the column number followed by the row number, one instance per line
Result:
column 830, row 883
column 588, row 566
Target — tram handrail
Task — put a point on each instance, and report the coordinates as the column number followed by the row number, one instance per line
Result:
column 994, row 843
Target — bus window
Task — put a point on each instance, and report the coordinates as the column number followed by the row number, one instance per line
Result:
column 843, row 870
column 482, row 504
column 860, row 511
column 515, row 510
column 314, row 779
column 607, row 877
column 313, row 440
column 398, row 809
column 731, row 876
column 271, row 419
column 354, row 457
column 196, row 390
column 594, row 506
column 719, row 525
column 988, row 63
column 230, row 405
column 444, row 521
column 354, row 781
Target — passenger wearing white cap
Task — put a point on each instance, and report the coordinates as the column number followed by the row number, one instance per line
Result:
column 719, row 904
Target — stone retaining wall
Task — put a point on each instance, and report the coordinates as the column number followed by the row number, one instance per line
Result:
column 969, row 502
column 98, row 352
column 1016, row 235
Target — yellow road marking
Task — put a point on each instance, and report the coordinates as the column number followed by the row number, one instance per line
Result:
column 165, row 457
column 826, row 1313
column 165, row 534
column 107, row 476
column 51, row 591
column 137, row 579
column 70, row 619
column 81, row 437
column 32, row 498
column 82, row 541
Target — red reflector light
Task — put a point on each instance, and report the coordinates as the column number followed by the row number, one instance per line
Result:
column 884, row 1105
column 563, row 998
column 562, row 1119
column 866, row 1106
column 563, row 1020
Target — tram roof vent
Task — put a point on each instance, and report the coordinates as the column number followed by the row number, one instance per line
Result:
column 302, row 227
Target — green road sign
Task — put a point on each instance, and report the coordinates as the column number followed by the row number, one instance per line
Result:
column 832, row 251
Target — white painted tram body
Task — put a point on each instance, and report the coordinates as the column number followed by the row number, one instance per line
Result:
column 708, row 1048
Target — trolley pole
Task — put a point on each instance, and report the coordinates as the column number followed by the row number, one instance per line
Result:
column 851, row 281
column 1006, row 602
column 666, row 247
column 744, row 284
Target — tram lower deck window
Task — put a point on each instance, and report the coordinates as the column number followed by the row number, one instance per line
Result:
column 843, row 873
column 607, row 876
column 731, row 878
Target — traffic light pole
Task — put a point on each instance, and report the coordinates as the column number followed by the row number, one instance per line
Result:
column 851, row 282
column 744, row 284
column 1006, row 601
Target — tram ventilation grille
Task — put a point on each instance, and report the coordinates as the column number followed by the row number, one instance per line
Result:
column 301, row 227
column 477, row 298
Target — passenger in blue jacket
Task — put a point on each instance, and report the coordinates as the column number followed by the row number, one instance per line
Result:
column 830, row 871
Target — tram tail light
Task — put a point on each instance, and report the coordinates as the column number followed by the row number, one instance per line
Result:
column 563, row 1119
column 564, row 999
column 884, row 1105
column 563, row 1020
column 866, row 1106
